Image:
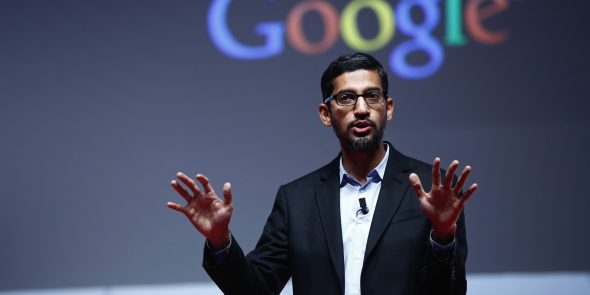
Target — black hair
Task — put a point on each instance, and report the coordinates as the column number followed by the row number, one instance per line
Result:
column 350, row 63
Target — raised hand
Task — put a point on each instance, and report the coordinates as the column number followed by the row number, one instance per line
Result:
column 206, row 211
column 443, row 204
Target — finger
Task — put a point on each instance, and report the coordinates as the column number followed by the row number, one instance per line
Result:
column 177, row 207
column 417, row 185
column 469, row 193
column 436, row 172
column 227, row 197
column 205, row 183
column 462, row 179
column 184, row 194
column 191, row 184
column 451, row 173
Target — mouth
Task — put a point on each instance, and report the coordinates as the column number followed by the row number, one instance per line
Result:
column 361, row 127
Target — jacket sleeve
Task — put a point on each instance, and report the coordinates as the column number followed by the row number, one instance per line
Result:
column 439, row 277
column 265, row 270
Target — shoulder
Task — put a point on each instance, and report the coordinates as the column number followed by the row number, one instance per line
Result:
column 399, row 162
column 314, row 178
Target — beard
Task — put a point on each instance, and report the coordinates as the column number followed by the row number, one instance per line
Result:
column 366, row 143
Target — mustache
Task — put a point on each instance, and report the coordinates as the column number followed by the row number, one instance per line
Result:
column 368, row 121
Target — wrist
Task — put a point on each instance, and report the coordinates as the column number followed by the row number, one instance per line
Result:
column 444, row 235
column 220, row 242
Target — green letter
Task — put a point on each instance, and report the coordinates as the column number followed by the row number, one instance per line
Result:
column 454, row 36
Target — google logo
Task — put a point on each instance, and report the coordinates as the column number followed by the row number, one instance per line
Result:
column 346, row 25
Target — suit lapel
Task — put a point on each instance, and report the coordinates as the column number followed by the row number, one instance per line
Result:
column 328, row 201
column 393, row 188
column 327, row 194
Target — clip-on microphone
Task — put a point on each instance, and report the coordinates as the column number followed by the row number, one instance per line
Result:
column 364, row 209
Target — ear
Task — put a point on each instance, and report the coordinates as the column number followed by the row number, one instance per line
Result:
column 324, row 113
column 389, row 105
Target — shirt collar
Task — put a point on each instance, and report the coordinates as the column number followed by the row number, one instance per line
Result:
column 375, row 175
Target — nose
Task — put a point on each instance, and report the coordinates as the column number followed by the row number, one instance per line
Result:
column 361, row 108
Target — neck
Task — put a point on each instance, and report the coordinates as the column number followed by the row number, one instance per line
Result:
column 360, row 162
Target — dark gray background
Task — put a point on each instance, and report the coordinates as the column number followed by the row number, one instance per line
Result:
column 102, row 102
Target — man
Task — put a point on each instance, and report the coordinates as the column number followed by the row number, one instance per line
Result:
column 353, row 226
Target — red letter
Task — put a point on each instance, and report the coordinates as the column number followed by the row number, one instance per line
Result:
column 474, row 15
column 295, row 32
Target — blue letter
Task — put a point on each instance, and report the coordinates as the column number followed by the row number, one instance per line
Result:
column 223, row 39
column 422, row 40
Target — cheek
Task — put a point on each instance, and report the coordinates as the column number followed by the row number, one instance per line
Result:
column 339, row 121
column 381, row 116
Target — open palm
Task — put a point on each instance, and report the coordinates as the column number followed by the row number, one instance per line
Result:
column 206, row 211
column 444, row 202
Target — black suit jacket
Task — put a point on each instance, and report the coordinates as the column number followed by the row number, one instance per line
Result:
column 302, row 239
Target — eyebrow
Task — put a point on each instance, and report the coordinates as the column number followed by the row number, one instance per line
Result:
column 348, row 90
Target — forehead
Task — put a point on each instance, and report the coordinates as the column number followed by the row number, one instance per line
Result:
column 358, row 81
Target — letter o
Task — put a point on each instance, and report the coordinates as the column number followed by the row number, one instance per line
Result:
column 349, row 25
column 295, row 33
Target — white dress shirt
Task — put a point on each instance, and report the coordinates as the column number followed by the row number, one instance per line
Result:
column 355, row 225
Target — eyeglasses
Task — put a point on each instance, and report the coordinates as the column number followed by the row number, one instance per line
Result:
column 349, row 98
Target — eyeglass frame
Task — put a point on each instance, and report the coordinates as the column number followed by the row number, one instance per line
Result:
column 334, row 97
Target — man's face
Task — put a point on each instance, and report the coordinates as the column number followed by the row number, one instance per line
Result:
column 361, row 126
